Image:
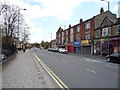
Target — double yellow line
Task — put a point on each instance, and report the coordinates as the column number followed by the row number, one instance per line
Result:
column 57, row 80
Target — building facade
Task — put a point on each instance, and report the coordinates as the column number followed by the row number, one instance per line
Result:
column 91, row 35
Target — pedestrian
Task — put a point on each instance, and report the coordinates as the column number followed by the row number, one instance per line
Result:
column 24, row 48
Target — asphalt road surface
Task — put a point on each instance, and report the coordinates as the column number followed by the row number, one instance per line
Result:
column 81, row 71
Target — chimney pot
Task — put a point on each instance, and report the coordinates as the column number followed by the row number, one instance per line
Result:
column 101, row 10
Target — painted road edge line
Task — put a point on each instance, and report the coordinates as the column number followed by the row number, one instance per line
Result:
column 55, row 77
column 48, row 71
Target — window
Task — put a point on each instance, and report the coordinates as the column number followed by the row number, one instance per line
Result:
column 62, row 37
column 78, row 37
column 78, row 28
column 96, row 33
column 71, row 39
column 87, row 25
column 66, row 39
column 118, row 30
column 105, row 31
column 71, row 35
column 62, row 34
column 66, row 33
column 59, row 38
column 71, row 31
column 87, row 36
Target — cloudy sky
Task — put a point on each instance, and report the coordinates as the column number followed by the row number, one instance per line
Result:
column 46, row 16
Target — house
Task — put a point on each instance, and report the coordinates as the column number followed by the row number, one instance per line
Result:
column 107, row 36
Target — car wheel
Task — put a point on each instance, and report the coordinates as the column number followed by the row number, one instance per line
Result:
column 108, row 59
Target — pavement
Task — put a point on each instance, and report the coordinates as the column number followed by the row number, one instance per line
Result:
column 24, row 71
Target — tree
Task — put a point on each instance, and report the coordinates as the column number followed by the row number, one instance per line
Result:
column 42, row 43
column 9, row 22
column 45, row 44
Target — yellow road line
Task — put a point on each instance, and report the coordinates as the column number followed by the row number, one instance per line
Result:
column 55, row 77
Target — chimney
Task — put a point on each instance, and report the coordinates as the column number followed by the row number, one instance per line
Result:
column 81, row 21
column 101, row 10
column 70, row 26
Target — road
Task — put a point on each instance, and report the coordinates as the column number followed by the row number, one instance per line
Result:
column 81, row 71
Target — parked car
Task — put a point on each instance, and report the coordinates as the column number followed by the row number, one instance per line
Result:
column 63, row 50
column 50, row 49
column 113, row 57
column 56, row 49
column 2, row 57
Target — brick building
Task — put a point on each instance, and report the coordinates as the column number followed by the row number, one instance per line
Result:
column 81, row 37
column 108, row 36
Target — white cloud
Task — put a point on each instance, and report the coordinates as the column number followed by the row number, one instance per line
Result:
column 115, row 8
column 61, row 9
column 35, row 34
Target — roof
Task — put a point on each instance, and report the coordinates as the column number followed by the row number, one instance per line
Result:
column 118, row 21
column 110, row 22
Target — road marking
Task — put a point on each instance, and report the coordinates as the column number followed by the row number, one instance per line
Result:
column 111, row 66
column 87, row 59
column 55, row 77
column 91, row 70
column 96, row 61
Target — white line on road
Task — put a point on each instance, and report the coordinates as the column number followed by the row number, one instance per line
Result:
column 87, row 59
column 96, row 61
column 91, row 70
column 111, row 66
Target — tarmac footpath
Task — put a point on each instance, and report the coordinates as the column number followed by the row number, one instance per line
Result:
column 24, row 71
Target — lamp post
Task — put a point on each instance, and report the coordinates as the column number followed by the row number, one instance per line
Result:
column 108, row 28
column 108, row 4
column 19, row 21
column 51, row 36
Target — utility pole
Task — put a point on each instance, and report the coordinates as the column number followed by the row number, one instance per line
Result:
column 51, row 36
column 108, row 28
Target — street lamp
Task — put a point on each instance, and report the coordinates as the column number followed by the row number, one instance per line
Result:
column 108, row 27
column 51, row 36
column 108, row 4
column 18, row 21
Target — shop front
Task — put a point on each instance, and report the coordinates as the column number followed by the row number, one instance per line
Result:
column 85, row 47
column 115, row 44
column 105, row 45
column 77, row 46
column 70, row 47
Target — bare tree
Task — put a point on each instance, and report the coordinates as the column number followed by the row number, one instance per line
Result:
column 25, row 33
column 9, row 21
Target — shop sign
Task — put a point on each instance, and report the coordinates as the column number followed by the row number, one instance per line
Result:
column 77, row 44
column 115, row 38
column 97, row 40
column 84, row 42
column 70, row 44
